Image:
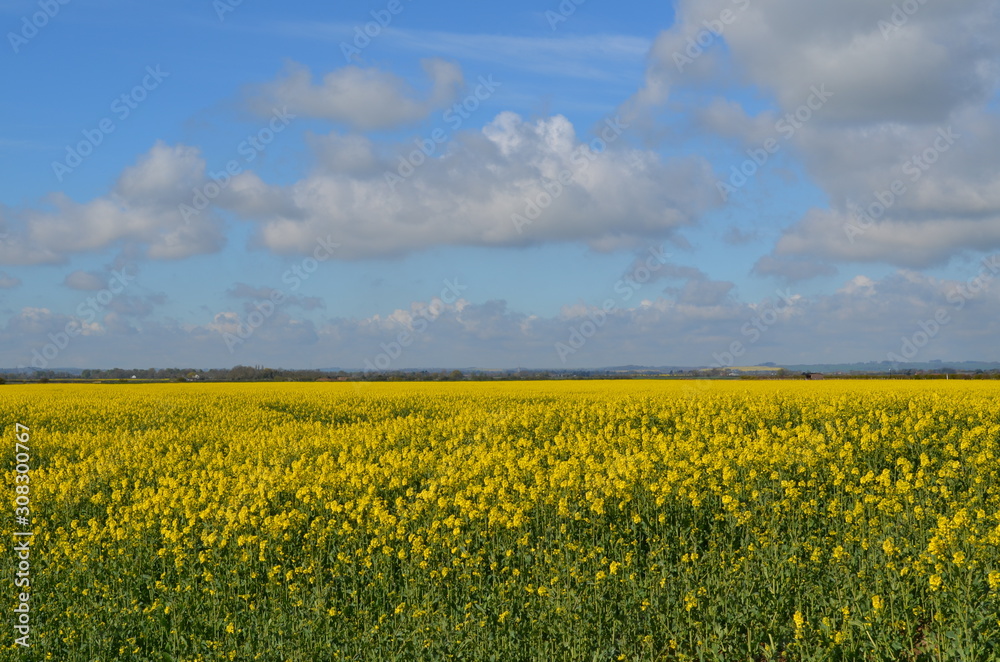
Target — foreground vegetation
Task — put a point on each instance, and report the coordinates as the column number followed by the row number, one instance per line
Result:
column 546, row 520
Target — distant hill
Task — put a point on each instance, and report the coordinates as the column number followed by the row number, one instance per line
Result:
column 886, row 366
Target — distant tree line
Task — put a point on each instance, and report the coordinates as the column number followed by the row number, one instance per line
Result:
column 243, row 373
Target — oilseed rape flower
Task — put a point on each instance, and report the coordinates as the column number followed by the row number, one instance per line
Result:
column 562, row 519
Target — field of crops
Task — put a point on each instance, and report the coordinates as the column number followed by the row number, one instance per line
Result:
column 630, row 520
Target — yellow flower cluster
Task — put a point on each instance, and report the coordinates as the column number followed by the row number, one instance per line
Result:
column 571, row 520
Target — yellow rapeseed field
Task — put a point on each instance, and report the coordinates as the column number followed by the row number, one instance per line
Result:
column 626, row 520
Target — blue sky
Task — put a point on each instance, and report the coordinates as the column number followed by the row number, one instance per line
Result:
column 579, row 203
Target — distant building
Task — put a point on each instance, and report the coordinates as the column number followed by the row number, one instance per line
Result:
column 813, row 375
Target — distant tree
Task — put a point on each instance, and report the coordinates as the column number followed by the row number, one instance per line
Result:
column 242, row 373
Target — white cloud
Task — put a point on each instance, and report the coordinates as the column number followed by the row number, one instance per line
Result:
column 939, row 61
column 362, row 98
column 893, row 91
column 859, row 285
column 32, row 325
column 469, row 194
column 863, row 320
column 141, row 210
column 944, row 203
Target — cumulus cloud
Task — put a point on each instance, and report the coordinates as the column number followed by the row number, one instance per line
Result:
column 939, row 59
column 561, row 187
column 143, row 209
column 280, row 333
column 350, row 154
column 899, row 80
column 865, row 319
column 513, row 183
column 909, row 196
column 32, row 325
column 696, row 289
column 362, row 98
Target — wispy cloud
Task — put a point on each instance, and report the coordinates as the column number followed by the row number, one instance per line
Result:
column 592, row 56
